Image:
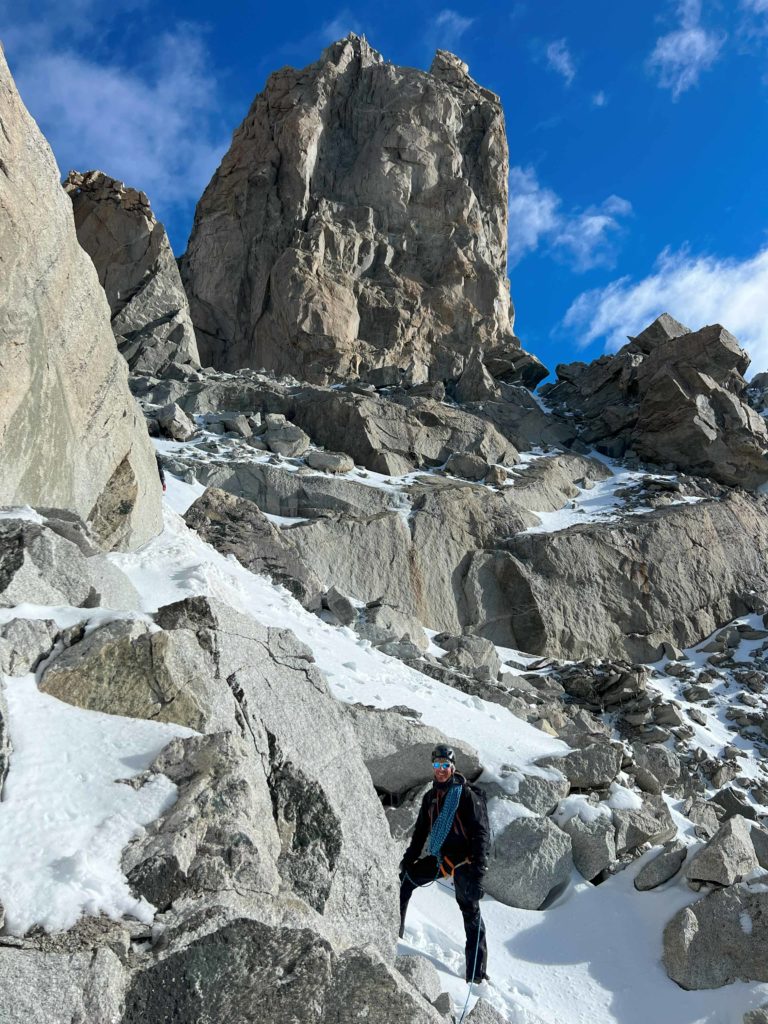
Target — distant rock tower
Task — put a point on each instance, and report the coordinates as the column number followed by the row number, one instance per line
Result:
column 358, row 223
column 133, row 258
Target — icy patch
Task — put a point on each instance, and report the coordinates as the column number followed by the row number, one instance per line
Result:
column 746, row 922
column 65, row 818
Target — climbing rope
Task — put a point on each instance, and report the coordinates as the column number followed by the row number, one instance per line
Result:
column 474, row 968
column 444, row 822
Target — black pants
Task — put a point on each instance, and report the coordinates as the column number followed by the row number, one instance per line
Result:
column 423, row 872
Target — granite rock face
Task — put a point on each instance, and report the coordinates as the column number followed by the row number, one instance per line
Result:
column 358, row 222
column 136, row 267
column 671, row 396
column 673, row 575
column 70, row 433
column 719, row 939
column 531, row 859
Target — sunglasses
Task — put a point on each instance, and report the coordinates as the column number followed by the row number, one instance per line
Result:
column 441, row 764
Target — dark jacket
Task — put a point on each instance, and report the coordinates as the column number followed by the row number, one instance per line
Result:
column 469, row 836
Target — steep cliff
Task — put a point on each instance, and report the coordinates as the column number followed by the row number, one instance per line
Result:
column 358, row 223
column 70, row 433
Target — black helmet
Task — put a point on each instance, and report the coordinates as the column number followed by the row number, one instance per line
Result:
column 443, row 753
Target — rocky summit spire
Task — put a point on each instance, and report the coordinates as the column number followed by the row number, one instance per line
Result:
column 358, row 223
column 133, row 258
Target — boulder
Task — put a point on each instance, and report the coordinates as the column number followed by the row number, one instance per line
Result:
column 471, row 467
column 236, row 526
column 221, row 832
column 246, row 970
column 472, row 654
column 283, row 492
column 284, row 438
column 734, row 801
column 136, row 267
column 175, row 423
column 475, row 383
column 63, row 978
column 37, row 566
column 340, row 606
column 718, row 940
column 757, row 1016
column 672, row 575
column 593, row 844
column 398, row 750
column 541, row 794
column 591, row 767
column 651, row 823
column 483, row 1013
column 662, row 867
column 397, row 262
column 330, row 462
column 398, row 434
column 727, row 857
column 657, row 766
column 671, row 396
column 422, row 974
column 530, row 859
column 381, row 623
column 124, row 668
column 72, row 434
column 24, row 643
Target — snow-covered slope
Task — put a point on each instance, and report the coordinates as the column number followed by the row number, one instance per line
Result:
column 594, row 956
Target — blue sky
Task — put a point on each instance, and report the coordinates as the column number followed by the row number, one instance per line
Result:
column 638, row 132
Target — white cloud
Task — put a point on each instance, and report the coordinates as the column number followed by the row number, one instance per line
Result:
column 560, row 60
column 697, row 290
column 599, row 99
column 447, row 29
column 582, row 238
column 339, row 27
column 680, row 57
column 757, row 6
column 588, row 238
column 152, row 127
column 533, row 212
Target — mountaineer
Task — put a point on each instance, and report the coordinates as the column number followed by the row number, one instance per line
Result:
column 453, row 821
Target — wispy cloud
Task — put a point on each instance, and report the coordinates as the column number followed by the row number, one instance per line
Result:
column 680, row 57
column 533, row 212
column 153, row 127
column 599, row 99
column 339, row 27
column 581, row 238
column 447, row 28
column 560, row 60
column 695, row 289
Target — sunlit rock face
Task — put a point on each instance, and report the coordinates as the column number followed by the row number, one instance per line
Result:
column 358, row 223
